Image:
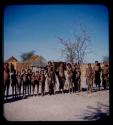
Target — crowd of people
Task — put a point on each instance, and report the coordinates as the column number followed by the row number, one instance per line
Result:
column 69, row 76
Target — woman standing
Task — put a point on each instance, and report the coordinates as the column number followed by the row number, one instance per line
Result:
column 37, row 81
column 89, row 78
column 97, row 71
column 68, row 76
column 33, row 82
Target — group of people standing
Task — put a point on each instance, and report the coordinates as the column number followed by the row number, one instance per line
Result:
column 52, row 79
column 97, row 75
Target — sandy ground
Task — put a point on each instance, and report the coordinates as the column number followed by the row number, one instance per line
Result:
column 60, row 107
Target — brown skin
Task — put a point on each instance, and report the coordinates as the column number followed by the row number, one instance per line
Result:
column 89, row 77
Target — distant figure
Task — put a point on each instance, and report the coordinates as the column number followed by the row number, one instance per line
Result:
column 6, row 79
column 89, row 78
column 14, row 83
column 105, row 75
column 97, row 71
column 61, row 77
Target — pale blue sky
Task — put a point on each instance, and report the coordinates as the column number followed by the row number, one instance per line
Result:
column 36, row 27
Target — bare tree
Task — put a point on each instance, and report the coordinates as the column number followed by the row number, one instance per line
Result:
column 77, row 49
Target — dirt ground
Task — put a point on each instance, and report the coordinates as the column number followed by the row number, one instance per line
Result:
column 59, row 107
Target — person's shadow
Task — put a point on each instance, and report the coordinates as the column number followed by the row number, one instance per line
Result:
column 13, row 99
column 96, row 114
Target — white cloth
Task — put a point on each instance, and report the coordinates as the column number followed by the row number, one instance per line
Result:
column 56, row 84
column 56, row 87
column 46, row 84
column 68, row 82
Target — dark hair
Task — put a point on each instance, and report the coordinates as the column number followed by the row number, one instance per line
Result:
column 61, row 64
column 89, row 64
column 98, row 64
column 49, row 62
column 96, row 61
column 68, row 64
column 14, row 71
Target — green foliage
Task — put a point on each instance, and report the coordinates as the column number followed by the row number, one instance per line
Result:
column 27, row 55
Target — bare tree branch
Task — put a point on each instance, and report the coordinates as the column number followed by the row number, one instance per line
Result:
column 76, row 50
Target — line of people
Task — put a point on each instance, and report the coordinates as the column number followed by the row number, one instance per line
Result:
column 97, row 75
column 69, row 77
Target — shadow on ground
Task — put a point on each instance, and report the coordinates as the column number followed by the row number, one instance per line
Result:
column 96, row 114
column 11, row 99
column 14, row 99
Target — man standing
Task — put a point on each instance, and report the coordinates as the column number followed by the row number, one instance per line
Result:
column 24, row 78
column 74, row 77
column 97, row 71
column 61, row 77
column 29, row 74
column 89, row 78
column 33, row 82
column 51, row 78
column 6, row 79
column 37, row 81
column 42, row 81
column 19, row 82
column 78, row 77
column 105, row 75
column 14, row 83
